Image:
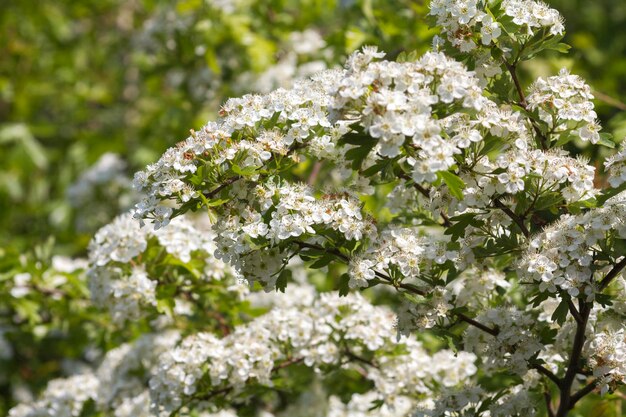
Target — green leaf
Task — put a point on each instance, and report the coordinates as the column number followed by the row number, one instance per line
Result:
column 578, row 206
column 606, row 139
column 245, row 172
column 283, row 278
column 610, row 193
column 322, row 262
column 454, row 183
column 357, row 155
column 216, row 203
column 358, row 139
column 560, row 314
column 490, row 144
column 560, row 47
column 460, row 223
column 166, row 306
column 548, row 335
column 344, row 287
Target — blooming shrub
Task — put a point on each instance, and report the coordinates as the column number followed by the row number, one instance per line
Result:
column 492, row 237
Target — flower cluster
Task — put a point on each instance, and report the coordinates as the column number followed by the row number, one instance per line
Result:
column 513, row 345
column 561, row 258
column 270, row 214
column 62, row 398
column 318, row 335
column 120, row 255
column 532, row 14
column 616, row 167
column 469, row 23
column 564, row 104
column 514, row 402
column 399, row 104
column 607, row 353
column 403, row 249
column 253, row 130
column 531, row 171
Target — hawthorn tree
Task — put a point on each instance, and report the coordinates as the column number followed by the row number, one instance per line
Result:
column 439, row 183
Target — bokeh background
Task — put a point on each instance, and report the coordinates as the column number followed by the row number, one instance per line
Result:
column 93, row 90
column 82, row 78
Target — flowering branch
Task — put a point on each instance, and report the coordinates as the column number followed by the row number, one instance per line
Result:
column 512, row 68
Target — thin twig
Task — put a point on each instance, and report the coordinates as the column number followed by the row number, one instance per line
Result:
column 609, row 100
column 317, row 167
column 574, row 311
column 523, row 103
column 547, row 373
column 518, row 86
column 548, row 399
column 463, row 317
column 513, row 216
column 587, row 389
column 613, row 273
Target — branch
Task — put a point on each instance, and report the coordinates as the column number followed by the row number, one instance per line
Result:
column 584, row 391
column 425, row 193
column 609, row 100
column 518, row 86
column 613, row 273
column 520, row 92
column 574, row 311
column 547, row 373
column 333, row 252
column 463, row 317
column 513, row 216
column 225, row 184
column 566, row 401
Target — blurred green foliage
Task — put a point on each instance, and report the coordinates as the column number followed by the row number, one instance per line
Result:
column 80, row 78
